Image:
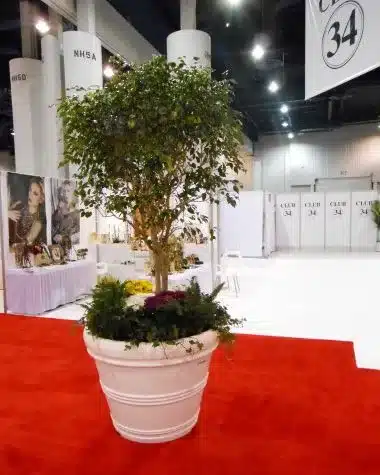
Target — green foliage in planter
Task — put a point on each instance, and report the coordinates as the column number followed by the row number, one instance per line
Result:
column 109, row 297
column 165, row 318
column 154, row 142
column 375, row 208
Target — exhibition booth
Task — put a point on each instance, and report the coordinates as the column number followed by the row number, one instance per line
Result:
column 65, row 253
column 52, row 256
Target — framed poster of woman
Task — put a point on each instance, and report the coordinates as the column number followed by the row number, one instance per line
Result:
column 65, row 219
column 26, row 209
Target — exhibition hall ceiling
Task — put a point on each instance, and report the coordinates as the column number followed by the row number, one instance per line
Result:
column 279, row 25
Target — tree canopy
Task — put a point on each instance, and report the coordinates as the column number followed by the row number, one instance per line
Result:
column 155, row 140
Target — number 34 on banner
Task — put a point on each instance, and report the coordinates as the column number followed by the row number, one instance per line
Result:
column 343, row 34
column 341, row 39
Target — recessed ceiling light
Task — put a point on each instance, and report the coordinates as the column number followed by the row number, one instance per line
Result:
column 227, row 25
column 258, row 52
column 273, row 87
column 234, row 3
column 42, row 26
column 12, row 132
column 284, row 109
column 285, row 124
column 108, row 72
column 290, row 135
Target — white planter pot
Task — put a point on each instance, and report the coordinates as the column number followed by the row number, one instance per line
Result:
column 378, row 246
column 154, row 394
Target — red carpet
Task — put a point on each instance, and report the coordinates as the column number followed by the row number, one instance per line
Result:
column 274, row 406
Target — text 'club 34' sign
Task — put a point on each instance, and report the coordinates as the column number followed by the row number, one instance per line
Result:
column 340, row 42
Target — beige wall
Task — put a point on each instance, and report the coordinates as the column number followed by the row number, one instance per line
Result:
column 351, row 151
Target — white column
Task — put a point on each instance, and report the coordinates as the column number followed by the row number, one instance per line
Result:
column 86, row 15
column 192, row 45
column 82, row 54
column 188, row 14
column 83, row 62
column 28, row 33
column 26, row 85
column 51, row 94
column 195, row 48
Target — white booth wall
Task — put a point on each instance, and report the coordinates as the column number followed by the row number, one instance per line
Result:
column 332, row 220
column 242, row 228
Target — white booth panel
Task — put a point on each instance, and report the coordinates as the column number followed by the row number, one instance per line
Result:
column 288, row 220
column 269, row 223
column 241, row 228
column 312, row 220
column 363, row 229
column 338, row 220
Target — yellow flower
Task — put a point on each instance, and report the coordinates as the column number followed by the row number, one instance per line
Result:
column 133, row 287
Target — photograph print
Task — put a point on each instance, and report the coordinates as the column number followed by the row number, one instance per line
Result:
column 26, row 209
column 65, row 219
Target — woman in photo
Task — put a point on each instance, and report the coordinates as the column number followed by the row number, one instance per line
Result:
column 27, row 221
column 66, row 216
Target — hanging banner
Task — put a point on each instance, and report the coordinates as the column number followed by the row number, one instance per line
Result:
column 26, row 87
column 288, row 221
column 83, row 62
column 340, row 42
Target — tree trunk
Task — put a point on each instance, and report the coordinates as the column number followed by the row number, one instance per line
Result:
column 157, row 272
column 161, row 268
column 165, row 273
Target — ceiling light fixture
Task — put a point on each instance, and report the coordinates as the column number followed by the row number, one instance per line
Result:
column 227, row 24
column 284, row 109
column 290, row 135
column 285, row 124
column 12, row 132
column 108, row 72
column 258, row 52
column 273, row 87
column 234, row 3
column 42, row 26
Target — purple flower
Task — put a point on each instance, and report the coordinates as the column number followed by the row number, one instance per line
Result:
column 161, row 299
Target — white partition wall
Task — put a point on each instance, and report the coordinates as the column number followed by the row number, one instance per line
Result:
column 338, row 220
column 312, row 221
column 269, row 223
column 363, row 229
column 288, row 221
column 241, row 228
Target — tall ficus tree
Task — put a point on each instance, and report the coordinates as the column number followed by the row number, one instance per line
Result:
column 158, row 139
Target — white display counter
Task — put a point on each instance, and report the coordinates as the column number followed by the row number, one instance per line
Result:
column 39, row 289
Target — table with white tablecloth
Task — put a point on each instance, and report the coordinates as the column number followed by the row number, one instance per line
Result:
column 39, row 289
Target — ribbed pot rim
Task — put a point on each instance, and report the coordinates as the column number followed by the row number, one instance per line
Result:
column 115, row 351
